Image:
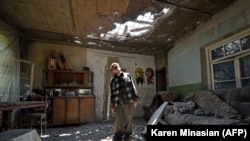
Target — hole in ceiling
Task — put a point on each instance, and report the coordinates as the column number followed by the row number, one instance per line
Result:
column 140, row 27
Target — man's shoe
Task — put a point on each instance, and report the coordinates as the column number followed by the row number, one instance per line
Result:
column 129, row 138
column 116, row 138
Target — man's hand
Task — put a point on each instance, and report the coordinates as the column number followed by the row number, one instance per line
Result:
column 135, row 103
column 113, row 109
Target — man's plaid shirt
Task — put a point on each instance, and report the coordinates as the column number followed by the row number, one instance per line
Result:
column 123, row 88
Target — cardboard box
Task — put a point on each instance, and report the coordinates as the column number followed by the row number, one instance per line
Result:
column 59, row 63
column 65, row 62
column 51, row 63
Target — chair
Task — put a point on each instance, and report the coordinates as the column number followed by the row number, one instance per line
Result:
column 35, row 117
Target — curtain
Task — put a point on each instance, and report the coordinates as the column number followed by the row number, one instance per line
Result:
column 9, row 64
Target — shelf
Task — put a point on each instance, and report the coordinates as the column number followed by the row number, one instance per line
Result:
column 68, row 79
column 61, row 71
column 68, row 86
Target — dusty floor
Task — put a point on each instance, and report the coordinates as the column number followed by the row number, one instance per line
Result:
column 98, row 131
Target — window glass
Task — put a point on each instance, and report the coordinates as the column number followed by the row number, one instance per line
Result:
column 245, row 70
column 245, row 42
column 245, row 66
column 217, row 53
column 232, row 47
column 245, row 82
column 224, row 85
column 224, row 71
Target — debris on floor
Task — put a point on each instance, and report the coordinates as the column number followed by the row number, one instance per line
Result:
column 97, row 131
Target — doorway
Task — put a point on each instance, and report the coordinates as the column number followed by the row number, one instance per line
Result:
column 161, row 80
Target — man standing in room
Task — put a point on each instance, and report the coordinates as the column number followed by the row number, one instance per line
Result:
column 123, row 98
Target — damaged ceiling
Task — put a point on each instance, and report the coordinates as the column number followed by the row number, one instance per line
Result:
column 146, row 27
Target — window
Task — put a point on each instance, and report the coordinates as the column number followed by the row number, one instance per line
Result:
column 244, row 64
column 230, row 64
column 26, row 78
column 224, row 75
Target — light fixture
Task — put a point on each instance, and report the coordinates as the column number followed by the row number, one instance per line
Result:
column 77, row 40
column 91, row 43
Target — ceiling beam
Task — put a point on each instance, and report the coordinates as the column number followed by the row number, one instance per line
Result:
column 186, row 8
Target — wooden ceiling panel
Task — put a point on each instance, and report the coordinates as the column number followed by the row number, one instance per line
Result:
column 59, row 21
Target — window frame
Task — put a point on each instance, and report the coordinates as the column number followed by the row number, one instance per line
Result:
column 235, row 57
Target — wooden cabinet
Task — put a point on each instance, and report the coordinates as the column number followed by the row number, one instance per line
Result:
column 66, row 109
column 59, row 111
column 73, row 110
column 87, row 109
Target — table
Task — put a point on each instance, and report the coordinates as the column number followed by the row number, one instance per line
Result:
column 20, row 135
column 7, row 107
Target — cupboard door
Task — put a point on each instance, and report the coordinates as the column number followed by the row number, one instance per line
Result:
column 59, row 111
column 87, row 109
column 72, row 110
